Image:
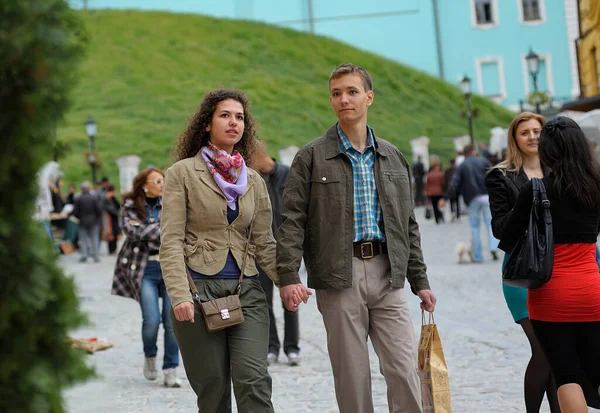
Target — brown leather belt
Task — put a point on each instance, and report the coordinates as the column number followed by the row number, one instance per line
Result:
column 369, row 249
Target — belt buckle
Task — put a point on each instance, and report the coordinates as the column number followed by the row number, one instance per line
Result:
column 362, row 250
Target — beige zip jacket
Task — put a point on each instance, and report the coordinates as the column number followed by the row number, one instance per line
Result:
column 194, row 229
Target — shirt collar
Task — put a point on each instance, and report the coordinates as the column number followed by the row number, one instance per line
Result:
column 345, row 144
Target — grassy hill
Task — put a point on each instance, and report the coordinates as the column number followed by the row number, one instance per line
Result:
column 145, row 73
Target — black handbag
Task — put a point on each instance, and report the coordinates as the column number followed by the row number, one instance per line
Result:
column 428, row 212
column 531, row 261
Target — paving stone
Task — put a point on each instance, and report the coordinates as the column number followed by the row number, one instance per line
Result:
column 485, row 350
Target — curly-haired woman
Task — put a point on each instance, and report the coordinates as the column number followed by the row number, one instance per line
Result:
column 138, row 274
column 211, row 198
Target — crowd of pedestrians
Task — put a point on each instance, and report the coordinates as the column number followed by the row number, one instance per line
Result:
column 227, row 219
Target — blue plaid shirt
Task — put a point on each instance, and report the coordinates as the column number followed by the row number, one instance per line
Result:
column 368, row 217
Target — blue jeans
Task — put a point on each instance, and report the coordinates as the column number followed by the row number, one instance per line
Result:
column 153, row 287
column 478, row 209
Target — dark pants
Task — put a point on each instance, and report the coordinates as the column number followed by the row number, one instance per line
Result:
column 573, row 352
column 112, row 246
column 213, row 360
column 455, row 207
column 439, row 216
column 292, row 327
column 419, row 191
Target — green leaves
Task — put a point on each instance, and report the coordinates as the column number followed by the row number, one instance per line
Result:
column 42, row 40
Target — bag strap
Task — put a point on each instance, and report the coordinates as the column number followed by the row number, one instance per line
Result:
column 193, row 288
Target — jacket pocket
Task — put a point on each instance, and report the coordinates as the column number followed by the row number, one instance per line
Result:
column 209, row 248
column 326, row 183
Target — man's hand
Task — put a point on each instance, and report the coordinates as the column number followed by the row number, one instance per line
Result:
column 293, row 294
column 184, row 312
column 428, row 300
column 441, row 203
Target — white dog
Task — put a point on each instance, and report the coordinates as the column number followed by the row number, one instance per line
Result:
column 464, row 252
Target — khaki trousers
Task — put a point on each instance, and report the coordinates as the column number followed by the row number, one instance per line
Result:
column 371, row 308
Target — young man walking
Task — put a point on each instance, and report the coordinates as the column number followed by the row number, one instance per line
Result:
column 469, row 180
column 348, row 209
column 275, row 176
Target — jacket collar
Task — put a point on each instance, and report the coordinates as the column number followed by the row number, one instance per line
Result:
column 207, row 178
column 332, row 144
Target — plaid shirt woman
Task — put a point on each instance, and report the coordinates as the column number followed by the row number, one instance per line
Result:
column 138, row 274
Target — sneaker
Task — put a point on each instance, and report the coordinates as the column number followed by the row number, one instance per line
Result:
column 271, row 359
column 293, row 359
column 150, row 368
column 82, row 259
column 171, row 379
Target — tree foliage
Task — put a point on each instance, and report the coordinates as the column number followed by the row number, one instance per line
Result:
column 41, row 42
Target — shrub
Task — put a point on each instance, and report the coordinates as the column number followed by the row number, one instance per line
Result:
column 41, row 41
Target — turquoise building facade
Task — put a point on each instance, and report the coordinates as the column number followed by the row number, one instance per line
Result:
column 485, row 39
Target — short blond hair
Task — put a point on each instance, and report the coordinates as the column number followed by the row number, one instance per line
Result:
column 352, row 69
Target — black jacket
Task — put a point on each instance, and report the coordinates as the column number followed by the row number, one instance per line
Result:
column 276, row 180
column 503, row 188
column 88, row 210
column 469, row 179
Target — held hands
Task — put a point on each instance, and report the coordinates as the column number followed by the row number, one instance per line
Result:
column 293, row 294
column 441, row 203
column 428, row 300
column 184, row 311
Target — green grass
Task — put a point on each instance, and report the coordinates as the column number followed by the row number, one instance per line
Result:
column 145, row 74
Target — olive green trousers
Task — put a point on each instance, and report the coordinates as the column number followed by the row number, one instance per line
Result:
column 213, row 360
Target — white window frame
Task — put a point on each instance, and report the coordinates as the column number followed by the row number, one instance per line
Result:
column 547, row 58
column 485, row 26
column 499, row 60
column 538, row 22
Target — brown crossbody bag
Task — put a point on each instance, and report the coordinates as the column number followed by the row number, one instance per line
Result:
column 223, row 312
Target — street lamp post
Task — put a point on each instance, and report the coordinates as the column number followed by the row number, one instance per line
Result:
column 533, row 66
column 465, row 85
column 91, row 128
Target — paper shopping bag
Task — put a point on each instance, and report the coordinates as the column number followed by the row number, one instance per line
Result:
column 433, row 371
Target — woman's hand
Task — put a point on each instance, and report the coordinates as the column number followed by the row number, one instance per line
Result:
column 184, row 311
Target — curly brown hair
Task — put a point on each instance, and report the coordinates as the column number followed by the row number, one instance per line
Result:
column 195, row 135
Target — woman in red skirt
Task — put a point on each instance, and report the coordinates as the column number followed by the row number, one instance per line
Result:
column 565, row 312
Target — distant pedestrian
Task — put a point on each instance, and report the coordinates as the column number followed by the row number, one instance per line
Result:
column 565, row 312
column 469, row 180
column 212, row 199
column 434, row 188
column 138, row 273
column 71, row 194
column 454, row 202
column 88, row 212
column 504, row 182
column 275, row 176
column 111, row 229
column 418, row 170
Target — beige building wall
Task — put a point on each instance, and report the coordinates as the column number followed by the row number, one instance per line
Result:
column 588, row 47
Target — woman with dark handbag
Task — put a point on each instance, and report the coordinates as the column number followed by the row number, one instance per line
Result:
column 504, row 183
column 434, row 189
column 565, row 311
column 138, row 275
column 216, row 226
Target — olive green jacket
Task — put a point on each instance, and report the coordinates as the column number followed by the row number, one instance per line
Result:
column 318, row 217
column 194, row 229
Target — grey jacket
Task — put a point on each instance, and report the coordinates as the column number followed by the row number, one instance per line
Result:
column 318, row 217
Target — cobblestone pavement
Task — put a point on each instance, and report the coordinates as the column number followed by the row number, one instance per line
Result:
column 485, row 351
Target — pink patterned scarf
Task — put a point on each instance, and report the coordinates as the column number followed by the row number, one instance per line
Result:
column 228, row 171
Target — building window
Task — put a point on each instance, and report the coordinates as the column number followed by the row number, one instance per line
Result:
column 531, row 10
column 545, row 81
column 484, row 11
column 490, row 78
